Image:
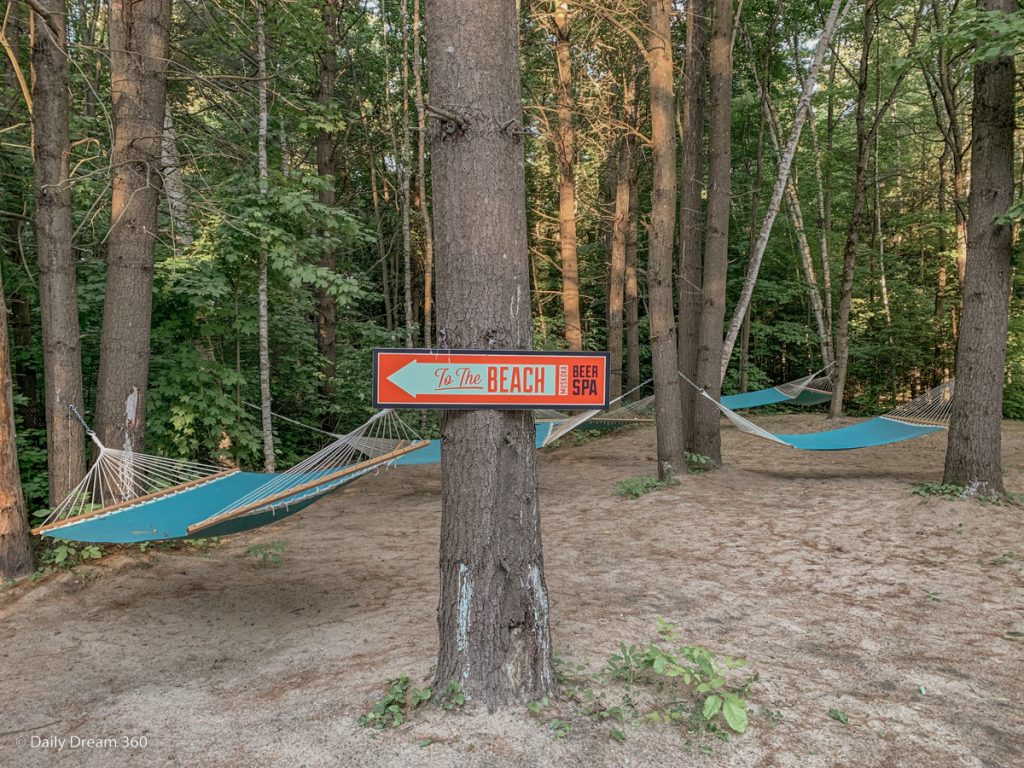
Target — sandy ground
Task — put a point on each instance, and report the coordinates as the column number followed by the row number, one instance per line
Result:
column 842, row 588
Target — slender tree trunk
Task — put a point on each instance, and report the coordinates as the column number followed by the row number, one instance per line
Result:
column 974, row 456
column 824, row 232
column 706, row 435
column 266, row 404
column 174, row 183
column 566, row 151
column 326, row 323
column 664, row 350
column 15, row 545
column 421, row 180
column 631, row 300
column 138, row 62
column 58, row 296
column 405, row 192
column 493, row 608
column 856, row 218
column 620, row 238
column 835, row 17
column 691, row 190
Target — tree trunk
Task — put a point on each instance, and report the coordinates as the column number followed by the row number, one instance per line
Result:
column 421, row 180
column 664, row 351
column 856, row 219
column 632, row 298
column 691, row 189
column 493, row 609
column 138, row 60
column 785, row 163
column 58, row 297
column 620, row 238
column 326, row 328
column 405, row 191
column 974, row 457
column 566, row 152
column 15, row 545
column 174, row 183
column 707, row 439
column 266, row 404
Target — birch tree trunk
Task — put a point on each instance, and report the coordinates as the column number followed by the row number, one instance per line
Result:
column 58, row 292
column 493, row 620
column 174, row 183
column 974, row 455
column 15, row 545
column 138, row 62
column 266, row 404
column 664, row 351
column 835, row 17
column 691, row 190
column 566, row 151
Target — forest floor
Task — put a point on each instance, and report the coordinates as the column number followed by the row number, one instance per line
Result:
column 843, row 590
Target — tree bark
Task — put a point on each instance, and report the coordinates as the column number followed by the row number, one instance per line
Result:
column 664, row 351
column 707, row 439
column 835, row 17
column 620, row 238
column 493, row 619
column 15, row 545
column 405, row 191
column 974, row 456
column 138, row 61
column 174, row 183
column 566, row 151
column 421, row 180
column 691, row 190
column 263, row 289
column 631, row 300
column 326, row 329
column 58, row 297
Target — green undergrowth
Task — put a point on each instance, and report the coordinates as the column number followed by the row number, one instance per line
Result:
column 395, row 706
column 963, row 493
column 660, row 683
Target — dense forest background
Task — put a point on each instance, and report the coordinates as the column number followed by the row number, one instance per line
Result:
column 340, row 216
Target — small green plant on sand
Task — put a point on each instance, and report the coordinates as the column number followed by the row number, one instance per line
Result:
column 662, row 681
column 698, row 464
column 268, row 554
column 391, row 710
column 68, row 554
column 635, row 487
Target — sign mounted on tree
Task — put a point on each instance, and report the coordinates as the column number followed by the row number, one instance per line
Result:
column 499, row 379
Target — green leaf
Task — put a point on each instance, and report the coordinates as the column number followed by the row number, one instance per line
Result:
column 619, row 736
column 712, row 704
column 735, row 713
column 838, row 714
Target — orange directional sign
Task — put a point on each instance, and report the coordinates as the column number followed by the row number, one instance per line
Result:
column 500, row 379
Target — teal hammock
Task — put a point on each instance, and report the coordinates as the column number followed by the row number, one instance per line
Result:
column 130, row 498
column 921, row 416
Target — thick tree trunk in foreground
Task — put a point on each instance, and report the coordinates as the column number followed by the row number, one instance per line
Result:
column 691, row 188
column 493, row 608
column 15, row 546
column 566, row 151
column 664, row 352
column 707, row 439
column 326, row 330
column 974, row 455
column 58, row 296
column 138, row 60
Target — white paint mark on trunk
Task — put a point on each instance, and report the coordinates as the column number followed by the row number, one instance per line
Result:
column 462, row 625
column 540, row 620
